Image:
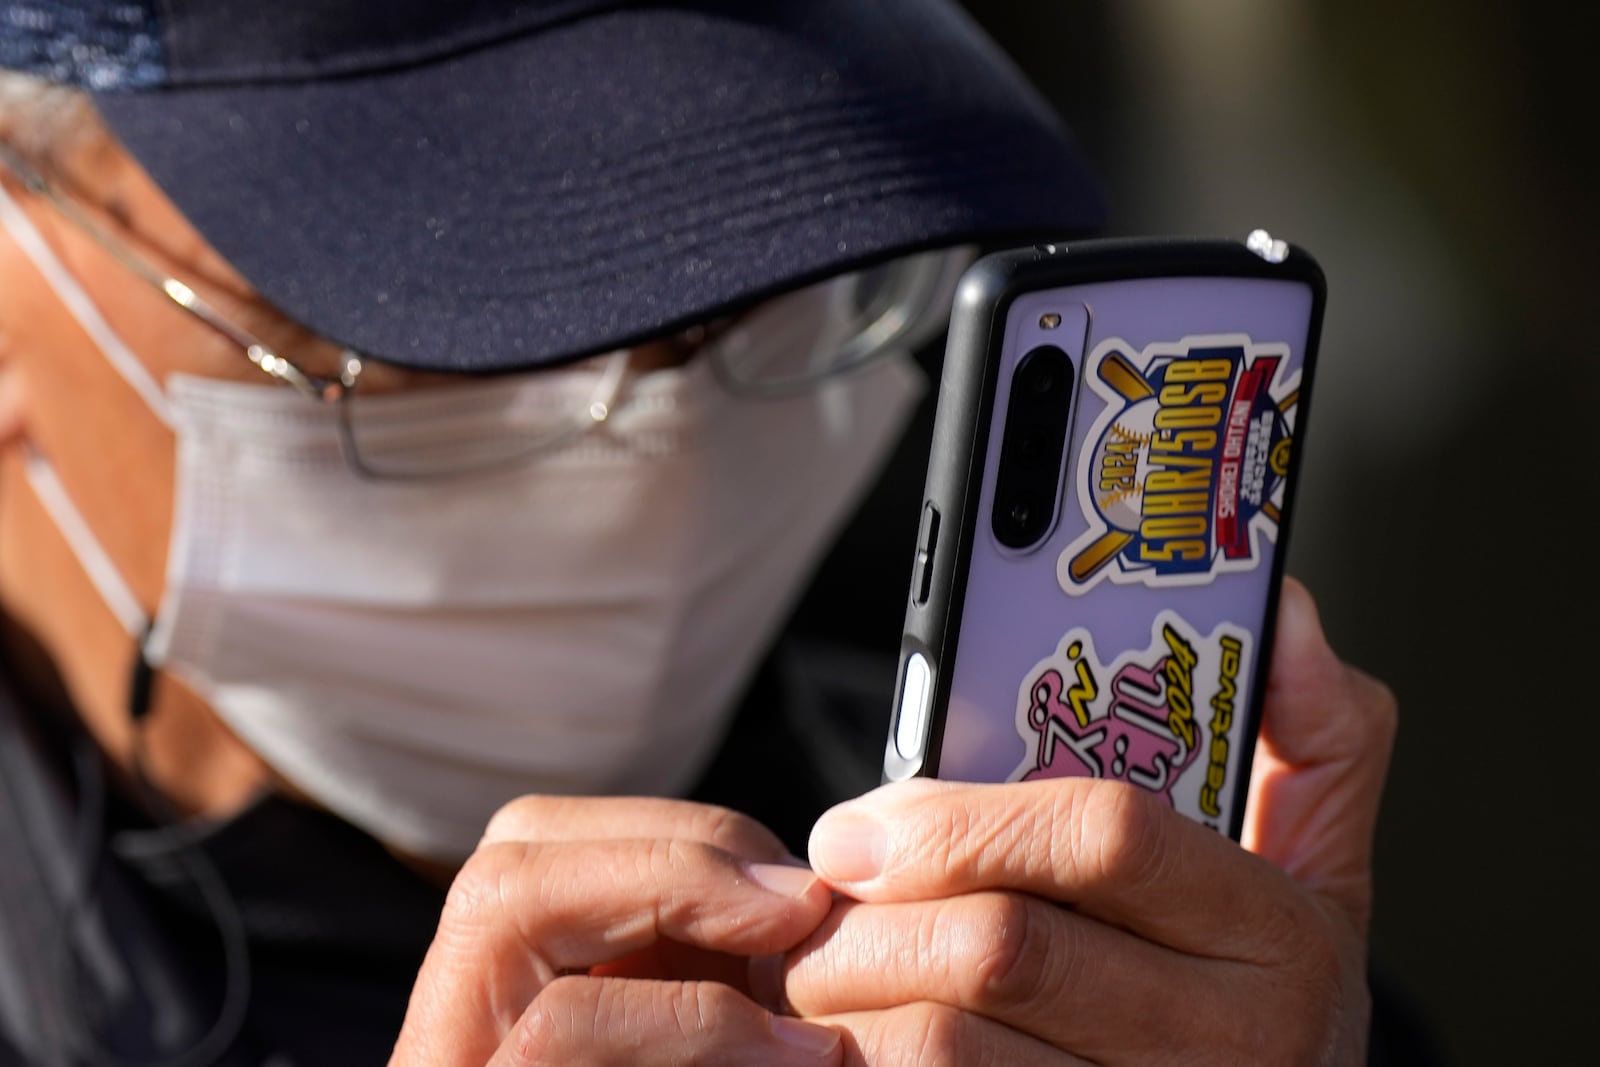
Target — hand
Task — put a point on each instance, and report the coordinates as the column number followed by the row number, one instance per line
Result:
column 1072, row 920
column 595, row 931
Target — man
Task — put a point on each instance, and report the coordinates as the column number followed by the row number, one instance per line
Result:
column 386, row 498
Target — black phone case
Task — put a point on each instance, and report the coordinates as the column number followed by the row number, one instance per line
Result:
column 1088, row 653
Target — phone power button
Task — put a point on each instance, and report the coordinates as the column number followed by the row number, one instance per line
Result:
column 916, row 697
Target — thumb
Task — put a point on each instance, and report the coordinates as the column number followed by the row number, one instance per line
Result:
column 1326, row 733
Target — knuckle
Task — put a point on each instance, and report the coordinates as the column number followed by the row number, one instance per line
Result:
column 1367, row 720
column 536, row 1035
column 1385, row 706
column 479, row 892
column 1001, row 962
column 558, row 1022
column 680, row 876
column 735, row 832
column 697, row 1007
column 583, row 1020
column 517, row 818
column 1123, row 835
column 670, row 860
column 934, row 1034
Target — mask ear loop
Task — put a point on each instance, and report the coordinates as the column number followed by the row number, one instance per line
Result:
column 75, row 300
column 102, row 572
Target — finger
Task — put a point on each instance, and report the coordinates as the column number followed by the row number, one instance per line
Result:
column 1034, row 967
column 934, row 1035
column 518, row 914
column 1326, row 734
column 590, row 1022
column 1113, row 851
column 555, row 818
column 560, row 818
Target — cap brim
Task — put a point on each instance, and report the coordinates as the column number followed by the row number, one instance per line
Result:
column 610, row 178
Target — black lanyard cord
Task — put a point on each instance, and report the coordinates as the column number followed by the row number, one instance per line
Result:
column 177, row 838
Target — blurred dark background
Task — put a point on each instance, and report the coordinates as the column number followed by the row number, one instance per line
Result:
column 1438, row 160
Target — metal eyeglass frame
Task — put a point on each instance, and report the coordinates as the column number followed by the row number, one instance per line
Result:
column 920, row 280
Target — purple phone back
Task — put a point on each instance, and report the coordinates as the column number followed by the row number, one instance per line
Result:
column 1125, row 644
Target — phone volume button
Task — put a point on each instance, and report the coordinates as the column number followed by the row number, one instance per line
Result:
column 922, row 568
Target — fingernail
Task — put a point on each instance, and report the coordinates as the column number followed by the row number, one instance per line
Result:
column 847, row 847
column 765, row 977
column 780, row 878
column 818, row 1041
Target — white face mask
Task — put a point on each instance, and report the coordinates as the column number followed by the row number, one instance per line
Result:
column 414, row 656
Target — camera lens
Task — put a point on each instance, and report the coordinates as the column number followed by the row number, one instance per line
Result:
column 1037, row 377
column 1029, row 481
column 1043, row 371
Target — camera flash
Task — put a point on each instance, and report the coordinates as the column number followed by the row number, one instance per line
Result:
column 1049, row 321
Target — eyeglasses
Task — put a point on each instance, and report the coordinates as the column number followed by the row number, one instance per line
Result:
column 891, row 308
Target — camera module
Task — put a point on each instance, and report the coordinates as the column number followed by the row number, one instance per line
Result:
column 1028, row 483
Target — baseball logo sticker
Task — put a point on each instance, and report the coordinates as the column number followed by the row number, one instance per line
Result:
column 1187, row 461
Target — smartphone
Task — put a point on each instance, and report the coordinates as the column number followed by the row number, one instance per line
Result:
column 1115, row 453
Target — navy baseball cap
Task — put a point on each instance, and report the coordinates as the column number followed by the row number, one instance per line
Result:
column 489, row 185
